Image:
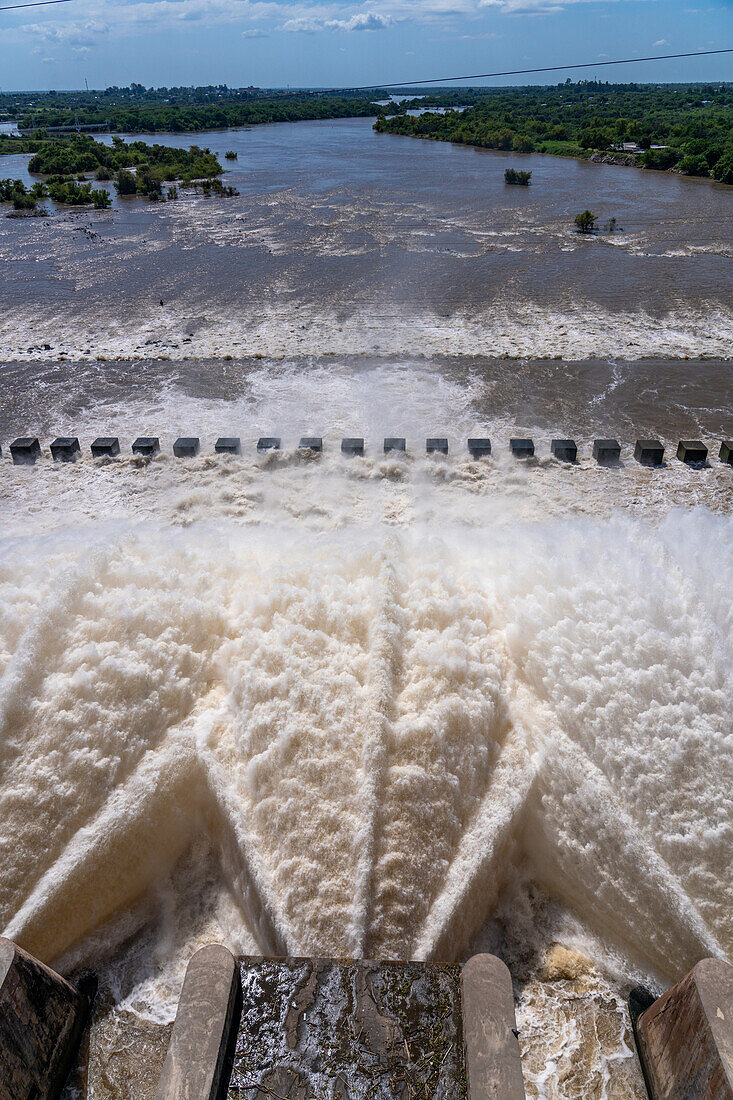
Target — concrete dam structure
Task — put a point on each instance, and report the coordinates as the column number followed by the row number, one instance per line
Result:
column 305, row 1028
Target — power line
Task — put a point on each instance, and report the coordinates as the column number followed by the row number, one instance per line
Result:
column 527, row 72
column 35, row 4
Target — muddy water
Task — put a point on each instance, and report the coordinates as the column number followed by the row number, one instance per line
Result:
column 408, row 707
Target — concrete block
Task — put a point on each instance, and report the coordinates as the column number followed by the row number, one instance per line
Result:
column 479, row 448
column 269, row 443
column 436, row 446
column 106, row 446
column 649, row 452
column 521, row 448
column 564, row 450
column 147, row 445
column 41, row 1021
column 198, row 1061
column 311, row 443
column 726, row 451
column 692, row 451
column 228, row 445
column 186, row 446
column 25, row 450
column 493, row 1064
column 352, row 446
column 685, row 1038
column 65, row 448
column 606, row 452
column 394, row 443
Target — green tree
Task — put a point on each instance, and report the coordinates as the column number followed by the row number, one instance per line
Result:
column 585, row 222
column 125, row 183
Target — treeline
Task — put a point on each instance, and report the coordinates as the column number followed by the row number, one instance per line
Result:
column 690, row 125
column 67, row 192
column 157, row 114
column 153, row 164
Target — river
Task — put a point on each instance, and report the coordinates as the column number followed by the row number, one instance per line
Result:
column 398, row 705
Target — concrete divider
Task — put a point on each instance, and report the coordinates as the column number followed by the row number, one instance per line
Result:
column 352, row 446
column 105, row 446
column 146, row 445
column 269, row 443
column 25, row 450
column 436, row 445
column 394, row 443
column 685, row 1038
column 564, row 450
column 493, row 1064
column 522, row 448
column 606, row 452
column 65, row 448
column 186, row 446
column 196, row 1065
column 479, row 448
column 649, row 452
column 726, row 451
column 228, row 445
column 311, row 443
column 41, row 1022
column 692, row 451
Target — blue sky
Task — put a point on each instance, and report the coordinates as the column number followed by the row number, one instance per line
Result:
column 310, row 43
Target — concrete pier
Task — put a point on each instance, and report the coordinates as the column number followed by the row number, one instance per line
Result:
column 228, row 445
column 25, row 450
column 311, row 443
column 198, row 1062
column 394, row 443
column 649, row 452
column 522, row 448
column 186, row 446
column 726, row 451
column 65, row 448
column 41, row 1022
column 606, row 452
column 436, row 445
column 564, row 450
column 692, row 451
column 269, row 443
column 146, row 445
column 352, row 446
column 685, row 1038
column 493, row 1063
column 105, row 446
column 479, row 448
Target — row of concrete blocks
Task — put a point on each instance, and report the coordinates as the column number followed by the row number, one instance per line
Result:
column 607, row 452
column 684, row 1038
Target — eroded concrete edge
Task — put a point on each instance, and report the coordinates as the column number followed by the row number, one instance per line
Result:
column 493, row 1064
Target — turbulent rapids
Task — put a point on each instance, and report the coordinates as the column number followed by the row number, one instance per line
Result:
column 396, row 706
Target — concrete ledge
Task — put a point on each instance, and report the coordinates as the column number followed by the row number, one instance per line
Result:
column 268, row 443
column 522, row 448
column 25, row 450
column 105, row 446
column 394, row 443
column 493, row 1064
column 685, row 1038
column 311, row 443
column 352, row 446
column 41, row 1021
column 146, row 445
column 206, row 1022
column 186, row 446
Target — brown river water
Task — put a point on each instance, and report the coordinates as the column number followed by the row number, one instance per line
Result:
column 394, row 706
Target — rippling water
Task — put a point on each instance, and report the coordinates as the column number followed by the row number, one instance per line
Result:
column 405, row 706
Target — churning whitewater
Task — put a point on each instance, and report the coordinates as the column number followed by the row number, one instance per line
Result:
column 398, row 706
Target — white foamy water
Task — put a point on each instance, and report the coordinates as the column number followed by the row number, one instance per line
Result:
column 407, row 707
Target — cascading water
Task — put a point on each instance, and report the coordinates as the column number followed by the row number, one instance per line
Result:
column 400, row 706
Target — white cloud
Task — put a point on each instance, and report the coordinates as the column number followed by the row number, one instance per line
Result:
column 359, row 21
column 662, row 42
column 254, row 33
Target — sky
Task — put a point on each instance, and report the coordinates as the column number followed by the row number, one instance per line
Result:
column 319, row 43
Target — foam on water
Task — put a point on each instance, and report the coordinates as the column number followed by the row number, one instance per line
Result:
column 408, row 707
